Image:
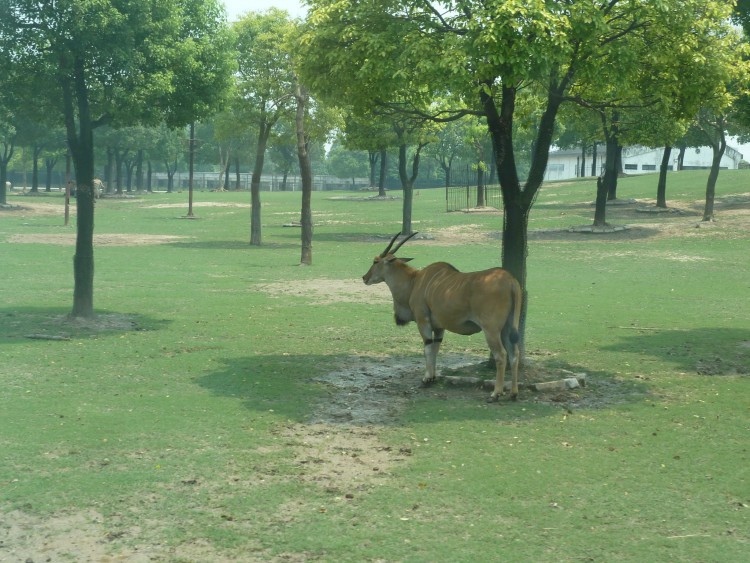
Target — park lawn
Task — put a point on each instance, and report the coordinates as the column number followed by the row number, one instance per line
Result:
column 229, row 404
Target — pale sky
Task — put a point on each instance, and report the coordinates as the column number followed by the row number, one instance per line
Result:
column 236, row 8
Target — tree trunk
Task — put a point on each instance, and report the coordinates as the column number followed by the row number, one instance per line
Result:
column 612, row 139
column 109, row 171
column 35, row 150
column 260, row 155
column 408, row 191
column 582, row 170
column 661, row 188
column 129, row 167
column 5, row 156
column 681, row 158
column 713, row 175
column 372, row 157
column 480, row 185
column 226, row 173
column 383, row 169
column 81, row 145
column 68, row 183
column 170, row 176
column 120, row 157
column 593, row 159
column 237, row 177
column 3, row 187
column 612, row 174
column 515, row 254
column 600, row 207
column 139, row 171
column 446, row 172
column 49, row 164
column 407, row 184
column 305, row 170
column 516, row 203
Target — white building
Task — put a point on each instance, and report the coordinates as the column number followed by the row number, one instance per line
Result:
column 565, row 164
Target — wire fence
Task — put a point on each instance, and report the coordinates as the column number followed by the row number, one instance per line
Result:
column 464, row 198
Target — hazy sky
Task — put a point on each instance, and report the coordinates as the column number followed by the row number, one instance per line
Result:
column 236, row 8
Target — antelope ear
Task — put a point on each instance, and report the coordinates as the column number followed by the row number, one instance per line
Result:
column 406, row 259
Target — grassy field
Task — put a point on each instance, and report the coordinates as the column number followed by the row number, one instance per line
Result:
column 228, row 404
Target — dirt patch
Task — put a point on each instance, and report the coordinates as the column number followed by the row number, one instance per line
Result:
column 98, row 323
column 365, row 198
column 112, row 239
column 34, row 208
column 375, row 391
column 78, row 536
column 458, row 235
column 196, row 204
column 65, row 327
column 371, row 390
column 324, row 291
column 343, row 460
column 88, row 537
column 455, row 235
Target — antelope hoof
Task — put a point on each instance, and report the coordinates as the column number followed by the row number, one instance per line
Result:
column 427, row 381
column 493, row 398
column 514, row 396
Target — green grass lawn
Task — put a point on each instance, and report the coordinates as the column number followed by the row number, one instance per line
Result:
column 228, row 404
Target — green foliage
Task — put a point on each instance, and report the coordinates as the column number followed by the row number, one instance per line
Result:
column 144, row 62
column 347, row 164
column 265, row 81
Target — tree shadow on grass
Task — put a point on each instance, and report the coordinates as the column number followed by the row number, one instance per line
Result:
column 387, row 391
column 570, row 234
column 228, row 245
column 25, row 324
column 705, row 351
column 339, row 237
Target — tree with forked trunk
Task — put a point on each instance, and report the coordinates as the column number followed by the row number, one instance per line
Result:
column 492, row 57
column 264, row 92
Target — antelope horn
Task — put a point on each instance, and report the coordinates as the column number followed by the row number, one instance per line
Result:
column 399, row 245
column 390, row 244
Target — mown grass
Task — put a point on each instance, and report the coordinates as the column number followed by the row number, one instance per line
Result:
column 182, row 419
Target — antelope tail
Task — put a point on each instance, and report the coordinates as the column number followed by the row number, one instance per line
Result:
column 510, row 333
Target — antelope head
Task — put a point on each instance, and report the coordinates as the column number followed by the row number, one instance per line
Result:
column 384, row 260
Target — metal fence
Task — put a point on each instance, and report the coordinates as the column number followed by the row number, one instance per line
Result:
column 464, row 198
column 270, row 182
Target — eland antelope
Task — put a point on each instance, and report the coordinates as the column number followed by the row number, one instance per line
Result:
column 439, row 298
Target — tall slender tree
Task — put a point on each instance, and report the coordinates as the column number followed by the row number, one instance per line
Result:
column 265, row 89
column 118, row 62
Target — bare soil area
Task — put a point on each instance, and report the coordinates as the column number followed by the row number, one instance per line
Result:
column 196, row 204
column 111, row 239
column 28, row 208
column 324, row 291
